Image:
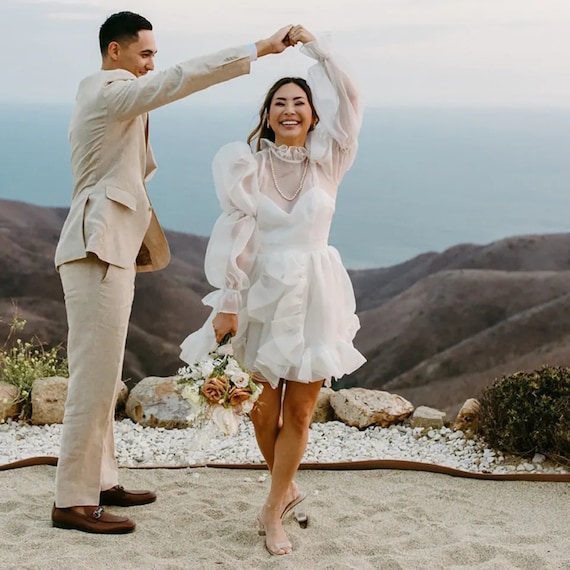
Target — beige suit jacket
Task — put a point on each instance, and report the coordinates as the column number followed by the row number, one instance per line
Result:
column 110, row 214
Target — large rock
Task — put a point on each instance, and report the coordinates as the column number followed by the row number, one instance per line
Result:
column 427, row 417
column 48, row 399
column 9, row 408
column 157, row 402
column 323, row 410
column 359, row 407
column 467, row 419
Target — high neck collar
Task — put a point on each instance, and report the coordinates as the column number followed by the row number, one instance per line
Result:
column 284, row 152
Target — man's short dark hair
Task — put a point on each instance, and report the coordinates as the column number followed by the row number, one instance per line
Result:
column 121, row 27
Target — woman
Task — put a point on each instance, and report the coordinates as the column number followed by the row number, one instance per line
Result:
column 283, row 292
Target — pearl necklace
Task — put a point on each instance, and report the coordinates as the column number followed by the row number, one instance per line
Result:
column 301, row 183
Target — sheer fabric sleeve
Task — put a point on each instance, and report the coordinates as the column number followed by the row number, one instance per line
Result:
column 337, row 101
column 233, row 242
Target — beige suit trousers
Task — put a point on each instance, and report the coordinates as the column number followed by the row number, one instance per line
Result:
column 98, row 301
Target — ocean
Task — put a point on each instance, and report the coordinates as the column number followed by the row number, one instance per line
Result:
column 424, row 179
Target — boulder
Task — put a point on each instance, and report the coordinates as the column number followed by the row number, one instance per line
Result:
column 467, row 419
column 157, row 402
column 360, row 407
column 323, row 410
column 426, row 417
column 48, row 400
column 9, row 408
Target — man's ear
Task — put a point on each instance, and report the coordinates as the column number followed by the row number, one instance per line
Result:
column 113, row 51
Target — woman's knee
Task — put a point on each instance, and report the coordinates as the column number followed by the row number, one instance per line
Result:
column 299, row 404
column 299, row 418
column 264, row 417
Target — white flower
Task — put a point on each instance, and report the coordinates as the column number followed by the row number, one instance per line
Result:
column 232, row 367
column 225, row 419
column 206, row 368
column 183, row 371
column 225, row 350
column 191, row 395
column 192, row 372
column 240, row 379
column 195, row 372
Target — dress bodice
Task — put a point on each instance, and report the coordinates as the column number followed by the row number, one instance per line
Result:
column 305, row 226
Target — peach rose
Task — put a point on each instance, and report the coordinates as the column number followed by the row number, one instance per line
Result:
column 239, row 395
column 214, row 389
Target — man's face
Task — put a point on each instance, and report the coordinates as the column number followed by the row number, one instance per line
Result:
column 136, row 57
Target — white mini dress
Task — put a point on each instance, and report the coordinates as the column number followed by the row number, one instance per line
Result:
column 270, row 259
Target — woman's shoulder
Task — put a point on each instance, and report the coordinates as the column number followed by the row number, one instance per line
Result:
column 234, row 152
column 235, row 173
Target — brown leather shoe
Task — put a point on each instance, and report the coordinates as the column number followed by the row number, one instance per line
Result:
column 120, row 497
column 96, row 520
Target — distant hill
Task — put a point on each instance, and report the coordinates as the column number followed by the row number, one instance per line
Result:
column 436, row 329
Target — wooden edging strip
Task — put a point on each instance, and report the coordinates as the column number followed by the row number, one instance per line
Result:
column 369, row 464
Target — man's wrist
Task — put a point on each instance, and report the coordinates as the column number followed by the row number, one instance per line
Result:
column 263, row 47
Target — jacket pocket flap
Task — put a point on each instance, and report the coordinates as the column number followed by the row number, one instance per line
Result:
column 121, row 196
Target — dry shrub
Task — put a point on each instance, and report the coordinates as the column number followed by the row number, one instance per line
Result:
column 529, row 412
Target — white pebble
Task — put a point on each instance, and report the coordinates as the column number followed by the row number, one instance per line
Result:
column 329, row 442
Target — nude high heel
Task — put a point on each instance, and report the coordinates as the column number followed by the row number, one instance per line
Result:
column 277, row 549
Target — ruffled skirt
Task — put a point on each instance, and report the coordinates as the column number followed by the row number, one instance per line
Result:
column 297, row 320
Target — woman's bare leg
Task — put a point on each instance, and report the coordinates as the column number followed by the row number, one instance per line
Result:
column 290, row 444
column 265, row 418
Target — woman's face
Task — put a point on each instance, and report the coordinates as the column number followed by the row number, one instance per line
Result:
column 290, row 115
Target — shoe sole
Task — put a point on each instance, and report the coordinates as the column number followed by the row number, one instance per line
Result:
column 118, row 530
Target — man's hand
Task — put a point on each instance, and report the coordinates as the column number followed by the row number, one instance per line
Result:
column 276, row 43
column 223, row 324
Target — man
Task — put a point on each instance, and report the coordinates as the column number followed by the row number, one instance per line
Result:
column 111, row 232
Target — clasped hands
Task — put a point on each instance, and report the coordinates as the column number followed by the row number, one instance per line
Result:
column 287, row 36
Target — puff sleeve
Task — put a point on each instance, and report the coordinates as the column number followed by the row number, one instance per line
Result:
column 336, row 98
column 233, row 242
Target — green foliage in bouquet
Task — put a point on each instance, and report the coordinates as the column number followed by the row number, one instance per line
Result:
column 22, row 362
column 529, row 412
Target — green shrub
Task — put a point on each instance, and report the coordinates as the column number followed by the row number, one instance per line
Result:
column 24, row 362
column 529, row 412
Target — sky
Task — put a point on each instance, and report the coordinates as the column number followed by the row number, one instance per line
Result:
column 409, row 53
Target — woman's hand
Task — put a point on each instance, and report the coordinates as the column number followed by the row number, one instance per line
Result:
column 276, row 43
column 224, row 323
column 299, row 34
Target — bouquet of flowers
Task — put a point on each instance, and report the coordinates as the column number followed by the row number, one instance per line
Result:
column 219, row 389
